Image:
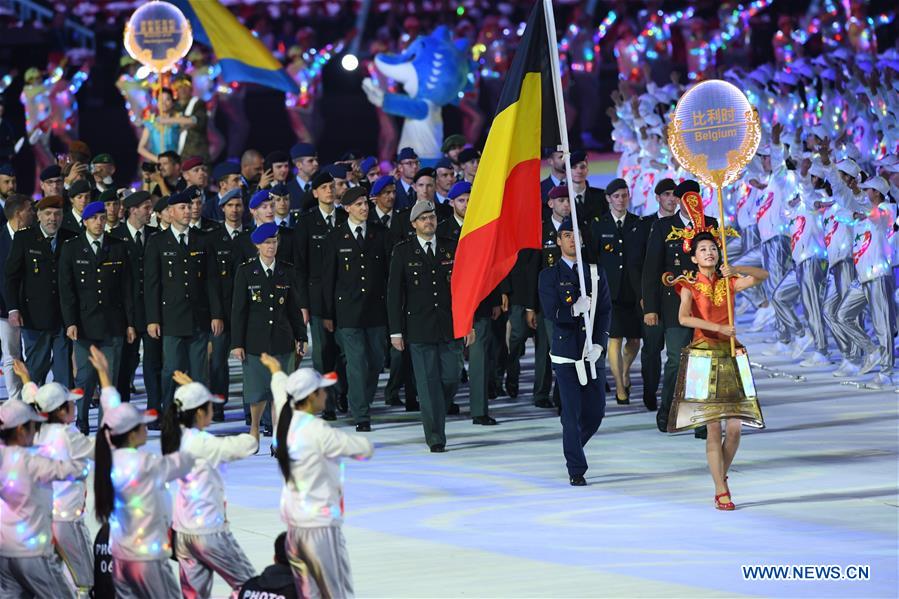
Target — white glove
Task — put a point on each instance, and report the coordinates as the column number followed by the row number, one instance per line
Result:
column 374, row 93
column 581, row 306
column 595, row 353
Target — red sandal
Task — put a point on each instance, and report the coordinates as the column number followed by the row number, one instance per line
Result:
column 726, row 506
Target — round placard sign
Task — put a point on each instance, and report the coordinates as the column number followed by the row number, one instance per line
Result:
column 158, row 35
column 714, row 132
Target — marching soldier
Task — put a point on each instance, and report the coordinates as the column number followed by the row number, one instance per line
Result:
column 18, row 211
column 480, row 354
column 579, row 375
column 383, row 194
column 285, row 218
column 135, row 231
column 181, row 298
column 223, row 246
column 265, row 318
column 354, row 280
column 32, row 287
column 96, row 299
column 520, row 291
column 612, row 233
column 421, row 321
column 315, row 225
column 665, row 253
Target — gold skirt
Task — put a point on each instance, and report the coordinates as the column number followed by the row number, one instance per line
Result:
column 712, row 386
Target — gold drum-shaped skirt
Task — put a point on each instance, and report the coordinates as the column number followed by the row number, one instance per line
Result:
column 711, row 386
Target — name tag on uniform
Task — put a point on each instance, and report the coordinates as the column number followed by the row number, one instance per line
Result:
column 604, row 235
column 169, row 254
column 81, row 261
column 199, row 253
column 282, row 286
column 223, row 252
column 345, row 250
column 566, row 284
column 319, row 237
column 414, row 264
column 38, row 252
column 446, row 262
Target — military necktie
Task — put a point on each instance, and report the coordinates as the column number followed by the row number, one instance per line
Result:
column 385, row 220
column 429, row 250
column 619, row 224
column 96, row 245
column 53, row 244
column 360, row 239
column 330, row 221
column 138, row 239
column 182, row 241
column 235, row 233
column 268, row 273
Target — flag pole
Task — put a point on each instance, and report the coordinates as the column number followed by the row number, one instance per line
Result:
column 555, row 71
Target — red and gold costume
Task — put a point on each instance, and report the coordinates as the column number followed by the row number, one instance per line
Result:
column 711, row 384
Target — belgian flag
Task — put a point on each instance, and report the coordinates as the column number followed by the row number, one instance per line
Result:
column 504, row 209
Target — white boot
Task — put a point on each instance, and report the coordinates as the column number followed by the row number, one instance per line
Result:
column 815, row 360
column 800, row 345
column 778, row 349
column 846, row 369
column 762, row 317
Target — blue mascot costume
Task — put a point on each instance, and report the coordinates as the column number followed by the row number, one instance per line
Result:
column 434, row 71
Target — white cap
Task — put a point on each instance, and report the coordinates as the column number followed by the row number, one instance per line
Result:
column 304, row 381
column 763, row 151
column 878, row 183
column 817, row 170
column 15, row 412
column 52, row 395
column 121, row 417
column 194, row 395
column 888, row 160
column 849, row 166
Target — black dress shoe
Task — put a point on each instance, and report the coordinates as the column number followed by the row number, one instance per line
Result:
column 329, row 415
column 363, row 427
column 577, row 481
column 452, row 410
column 438, row 448
column 512, row 390
column 544, row 403
column 342, row 405
column 650, row 403
column 412, row 406
column 701, row 432
column 393, row 401
column 485, row 420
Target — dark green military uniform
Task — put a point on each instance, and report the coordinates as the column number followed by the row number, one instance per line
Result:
column 96, row 296
column 265, row 318
column 354, row 284
column 419, row 309
column 309, row 241
column 180, row 294
column 32, row 288
column 480, row 353
column 223, row 247
column 152, row 357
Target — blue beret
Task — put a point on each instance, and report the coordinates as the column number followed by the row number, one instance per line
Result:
column 302, row 149
column 230, row 195
column 223, row 169
column 179, row 197
column 8, row 170
column 260, row 196
column 279, row 189
column 458, row 189
column 368, row 164
column 263, row 232
column 93, row 209
column 338, row 171
column 566, row 225
column 444, row 163
column 406, row 154
column 381, row 183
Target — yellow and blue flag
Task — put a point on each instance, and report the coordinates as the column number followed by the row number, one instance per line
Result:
column 241, row 56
